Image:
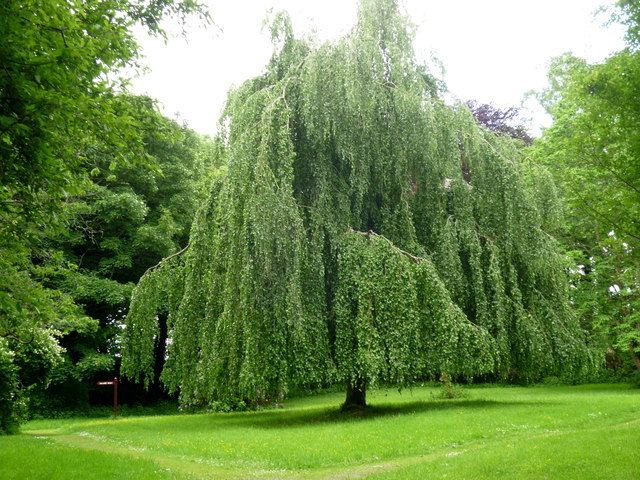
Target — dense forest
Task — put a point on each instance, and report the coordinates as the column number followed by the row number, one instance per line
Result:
column 347, row 227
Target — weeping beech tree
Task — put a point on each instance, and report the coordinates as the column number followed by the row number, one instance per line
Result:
column 364, row 232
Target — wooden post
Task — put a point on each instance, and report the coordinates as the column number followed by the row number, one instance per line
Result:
column 114, row 382
column 115, row 396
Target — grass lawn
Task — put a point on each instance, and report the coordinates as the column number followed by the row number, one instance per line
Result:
column 551, row 432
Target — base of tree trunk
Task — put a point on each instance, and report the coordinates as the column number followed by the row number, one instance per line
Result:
column 356, row 397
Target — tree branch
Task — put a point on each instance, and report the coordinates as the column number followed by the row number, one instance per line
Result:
column 49, row 27
column 371, row 233
column 166, row 259
column 589, row 209
column 619, row 178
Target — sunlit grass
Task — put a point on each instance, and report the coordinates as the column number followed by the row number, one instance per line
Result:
column 496, row 432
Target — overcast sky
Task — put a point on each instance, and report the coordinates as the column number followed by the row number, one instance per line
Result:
column 493, row 51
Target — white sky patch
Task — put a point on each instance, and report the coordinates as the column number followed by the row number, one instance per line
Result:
column 493, row 51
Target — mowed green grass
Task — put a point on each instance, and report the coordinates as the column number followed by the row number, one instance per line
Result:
column 554, row 432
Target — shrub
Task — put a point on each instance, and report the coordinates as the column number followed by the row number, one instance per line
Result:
column 449, row 389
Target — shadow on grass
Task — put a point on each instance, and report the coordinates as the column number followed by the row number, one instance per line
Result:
column 306, row 417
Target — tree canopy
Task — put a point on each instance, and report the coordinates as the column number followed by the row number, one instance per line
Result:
column 60, row 71
column 365, row 232
column 63, row 121
column 126, row 220
column 592, row 150
column 505, row 122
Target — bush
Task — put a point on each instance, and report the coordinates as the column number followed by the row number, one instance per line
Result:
column 449, row 389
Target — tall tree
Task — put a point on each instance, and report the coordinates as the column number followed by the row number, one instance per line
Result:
column 365, row 233
column 60, row 67
column 128, row 218
column 593, row 150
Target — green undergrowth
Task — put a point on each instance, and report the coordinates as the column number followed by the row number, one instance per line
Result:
column 547, row 431
column 162, row 407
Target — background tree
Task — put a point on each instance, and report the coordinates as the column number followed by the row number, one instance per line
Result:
column 57, row 83
column 59, row 79
column 365, row 233
column 627, row 12
column 502, row 122
column 127, row 219
column 593, row 150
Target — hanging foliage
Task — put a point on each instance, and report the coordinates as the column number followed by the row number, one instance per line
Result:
column 282, row 288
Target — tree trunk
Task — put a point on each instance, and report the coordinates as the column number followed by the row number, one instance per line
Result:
column 356, row 395
column 636, row 360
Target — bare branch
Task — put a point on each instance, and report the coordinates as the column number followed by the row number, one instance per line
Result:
column 371, row 233
column 166, row 259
